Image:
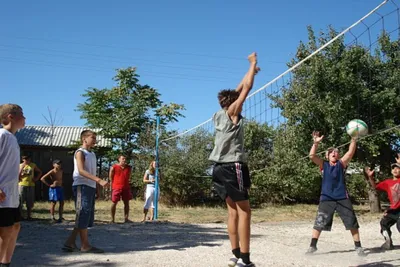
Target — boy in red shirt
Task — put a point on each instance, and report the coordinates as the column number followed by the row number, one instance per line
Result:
column 392, row 188
column 120, row 174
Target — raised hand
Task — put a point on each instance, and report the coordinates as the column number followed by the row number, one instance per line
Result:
column 370, row 173
column 252, row 57
column 317, row 137
column 398, row 158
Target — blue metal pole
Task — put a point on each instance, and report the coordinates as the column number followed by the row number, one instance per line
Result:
column 156, row 192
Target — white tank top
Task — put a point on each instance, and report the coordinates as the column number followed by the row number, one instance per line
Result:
column 89, row 166
column 9, row 168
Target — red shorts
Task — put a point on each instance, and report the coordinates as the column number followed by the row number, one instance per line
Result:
column 117, row 194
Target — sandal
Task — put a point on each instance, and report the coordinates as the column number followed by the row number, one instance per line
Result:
column 93, row 250
column 66, row 248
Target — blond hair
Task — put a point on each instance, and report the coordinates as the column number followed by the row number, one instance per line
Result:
column 86, row 133
column 152, row 170
column 7, row 109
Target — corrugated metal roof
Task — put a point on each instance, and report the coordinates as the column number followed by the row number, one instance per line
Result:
column 63, row 136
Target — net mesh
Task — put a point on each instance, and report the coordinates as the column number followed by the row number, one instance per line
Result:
column 335, row 77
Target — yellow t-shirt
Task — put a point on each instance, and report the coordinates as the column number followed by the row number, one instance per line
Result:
column 28, row 173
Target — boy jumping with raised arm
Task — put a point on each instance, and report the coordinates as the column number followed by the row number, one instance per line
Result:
column 84, row 188
column 392, row 188
column 230, row 173
column 334, row 196
column 12, row 119
column 56, row 192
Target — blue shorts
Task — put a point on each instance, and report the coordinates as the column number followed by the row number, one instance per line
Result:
column 84, row 205
column 56, row 194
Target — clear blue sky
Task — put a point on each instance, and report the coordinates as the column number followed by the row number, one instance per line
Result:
column 51, row 51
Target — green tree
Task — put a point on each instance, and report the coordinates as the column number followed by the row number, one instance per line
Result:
column 126, row 113
column 185, row 168
column 339, row 84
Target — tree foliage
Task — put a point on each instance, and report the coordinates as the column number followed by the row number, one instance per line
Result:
column 126, row 112
column 331, row 88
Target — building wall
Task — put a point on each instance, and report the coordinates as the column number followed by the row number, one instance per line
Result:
column 43, row 157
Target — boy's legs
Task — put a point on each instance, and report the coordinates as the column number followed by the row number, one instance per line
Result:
column 231, row 181
column 126, row 197
column 115, row 197
column 6, row 236
column 84, row 205
column 244, row 213
column 323, row 221
column 30, row 200
column 70, row 242
column 9, row 229
column 389, row 219
column 22, row 198
column 60, row 199
column 52, row 208
column 113, row 210
column 233, row 222
column 349, row 218
column 12, row 242
column 126, row 210
column 61, row 210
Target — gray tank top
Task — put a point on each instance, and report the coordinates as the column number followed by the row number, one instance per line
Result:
column 229, row 139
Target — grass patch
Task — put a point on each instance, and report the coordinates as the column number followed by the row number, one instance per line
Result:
column 199, row 214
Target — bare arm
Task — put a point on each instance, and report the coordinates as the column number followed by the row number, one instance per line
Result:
column 236, row 107
column 313, row 151
column 21, row 168
column 44, row 177
column 350, row 153
column 111, row 174
column 245, row 78
column 39, row 173
column 146, row 179
column 80, row 159
column 369, row 174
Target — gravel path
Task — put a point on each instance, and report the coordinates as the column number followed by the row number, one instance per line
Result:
column 172, row 244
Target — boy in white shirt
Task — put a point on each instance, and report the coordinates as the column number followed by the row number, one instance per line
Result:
column 12, row 119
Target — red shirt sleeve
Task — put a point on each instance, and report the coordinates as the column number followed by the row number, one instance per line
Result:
column 381, row 186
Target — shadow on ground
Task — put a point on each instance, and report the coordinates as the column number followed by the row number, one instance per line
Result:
column 40, row 243
column 378, row 264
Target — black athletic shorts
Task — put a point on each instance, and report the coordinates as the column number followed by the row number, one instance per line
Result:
column 232, row 179
column 326, row 210
column 9, row 216
column 390, row 218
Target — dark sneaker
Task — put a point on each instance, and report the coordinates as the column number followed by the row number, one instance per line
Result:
column 232, row 262
column 240, row 263
column 311, row 250
column 388, row 245
column 360, row 252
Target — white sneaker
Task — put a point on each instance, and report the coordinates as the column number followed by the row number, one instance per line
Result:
column 240, row 263
column 232, row 262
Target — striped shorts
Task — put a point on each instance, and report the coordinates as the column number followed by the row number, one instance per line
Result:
column 232, row 179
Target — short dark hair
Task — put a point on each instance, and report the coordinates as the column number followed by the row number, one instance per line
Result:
column 86, row 133
column 227, row 96
column 26, row 157
column 57, row 161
